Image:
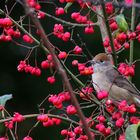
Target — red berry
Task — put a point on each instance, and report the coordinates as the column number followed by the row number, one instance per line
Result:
column 37, row 72
column 102, row 94
column 78, row 130
column 108, row 131
column 89, row 30
column 42, row 118
column 41, row 15
column 109, row 8
column 17, row 117
column 122, row 137
column 64, row 132
column 120, row 122
column 61, row 1
column 75, row 15
column 77, row 50
column 27, row 39
column 37, row 6
column 7, row 22
column 56, row 121
column 45, row 64
column 126, row 45
column 48, row 123
column 66, row 36
column 101, row 119
column 62, row 55
column 116, row 115
column 75, row 62
column 27, row 138
column 113, row 26
column 3, row 138
column 17, row 34
column 51, row 79
column 71, row 110
column 59, row 11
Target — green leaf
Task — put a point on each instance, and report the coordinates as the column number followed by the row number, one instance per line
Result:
column 67, row 6
column 122, row 24
column 131, row 132
column 5, row 98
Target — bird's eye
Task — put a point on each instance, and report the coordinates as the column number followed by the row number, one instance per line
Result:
column 101, row 61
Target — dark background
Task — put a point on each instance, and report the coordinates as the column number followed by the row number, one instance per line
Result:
column 28, row 91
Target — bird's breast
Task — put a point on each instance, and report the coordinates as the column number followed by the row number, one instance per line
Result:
column 100, row 82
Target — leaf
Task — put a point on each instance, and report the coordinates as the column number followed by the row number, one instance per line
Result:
column 123, row 25
column 5, row 98
column 67, row 6
column 131, row 132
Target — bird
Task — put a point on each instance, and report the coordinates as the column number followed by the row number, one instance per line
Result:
column 107, row 78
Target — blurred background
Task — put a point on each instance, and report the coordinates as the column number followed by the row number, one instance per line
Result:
column 27, row 90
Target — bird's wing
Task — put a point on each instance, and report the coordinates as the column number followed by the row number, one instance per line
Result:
column 116, row 78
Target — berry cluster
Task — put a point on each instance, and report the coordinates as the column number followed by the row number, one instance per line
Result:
column 59, row 32
column 16, row 118
column 23, row 66
column 48, row 63
column 123, row 106
column 8, row 32
column 57, row 100
column 34, row 4
column 101, row 128
column 47, row 121
column 84, row 70
column 121, row 39
column 77, row 133
column 83, row 19
column 86, row 92
column 126, row 70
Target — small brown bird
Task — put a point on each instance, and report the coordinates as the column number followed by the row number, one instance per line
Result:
column 107, row 78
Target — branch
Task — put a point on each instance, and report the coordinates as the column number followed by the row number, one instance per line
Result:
column 133, row 15
column 52, row 116
column 58, row 67
column 109, row 33
column 70, row 23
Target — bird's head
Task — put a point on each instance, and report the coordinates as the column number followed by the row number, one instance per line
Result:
column 101, row 62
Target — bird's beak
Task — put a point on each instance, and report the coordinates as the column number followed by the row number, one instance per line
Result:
column 92, row 62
